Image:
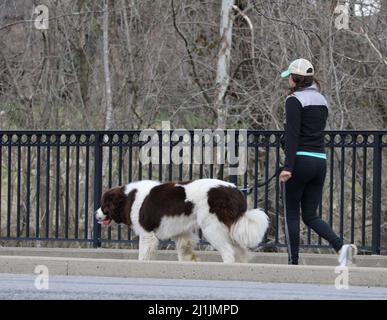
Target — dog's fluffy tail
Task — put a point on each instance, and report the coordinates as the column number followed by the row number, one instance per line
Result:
column 250, row 229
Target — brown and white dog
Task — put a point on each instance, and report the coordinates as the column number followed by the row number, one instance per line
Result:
column 174, row 210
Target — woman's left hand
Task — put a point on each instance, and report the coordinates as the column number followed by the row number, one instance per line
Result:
column 285, row 175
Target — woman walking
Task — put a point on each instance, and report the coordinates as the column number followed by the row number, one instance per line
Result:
column 306, row 113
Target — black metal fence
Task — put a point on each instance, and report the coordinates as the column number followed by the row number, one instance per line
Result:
column 51, row 183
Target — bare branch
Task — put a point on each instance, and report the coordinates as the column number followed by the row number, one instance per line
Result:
column 191, row 60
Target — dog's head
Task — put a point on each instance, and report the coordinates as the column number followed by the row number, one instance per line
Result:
column 114, row 206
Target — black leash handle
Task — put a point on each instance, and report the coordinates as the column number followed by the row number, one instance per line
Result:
column 249, row 190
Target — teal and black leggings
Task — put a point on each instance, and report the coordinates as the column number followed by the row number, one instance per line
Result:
column 304, row 191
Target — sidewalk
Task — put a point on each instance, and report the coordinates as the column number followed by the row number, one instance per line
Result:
column 264, row 267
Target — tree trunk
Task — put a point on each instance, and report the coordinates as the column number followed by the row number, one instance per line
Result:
column 223, row 65
column 83, row 63
column 108, row 87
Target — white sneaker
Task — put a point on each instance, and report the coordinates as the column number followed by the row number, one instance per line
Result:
column 347, row 255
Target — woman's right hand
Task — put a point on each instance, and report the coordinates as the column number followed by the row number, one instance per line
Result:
column 285, row 175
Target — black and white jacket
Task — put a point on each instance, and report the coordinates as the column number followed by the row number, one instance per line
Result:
column 306, row 113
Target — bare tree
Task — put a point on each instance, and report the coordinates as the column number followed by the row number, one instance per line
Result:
column 223, row 63
column 131, row 64
column 108, row 85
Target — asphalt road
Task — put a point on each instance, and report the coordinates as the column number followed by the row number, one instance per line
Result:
column 14, row 286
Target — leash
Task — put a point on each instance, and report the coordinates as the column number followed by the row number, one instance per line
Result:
column 249, row 190
column 283, row 199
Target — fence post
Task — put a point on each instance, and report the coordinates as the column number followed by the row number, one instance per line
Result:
column 232, row 177
column 97, row 187
column 376, row 193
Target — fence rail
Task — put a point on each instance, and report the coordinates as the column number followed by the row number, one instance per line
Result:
column 51, row 183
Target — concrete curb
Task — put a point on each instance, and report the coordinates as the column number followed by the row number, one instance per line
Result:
column 371, row 277
column 205, row 256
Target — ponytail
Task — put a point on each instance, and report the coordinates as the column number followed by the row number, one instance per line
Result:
column 303, row 82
